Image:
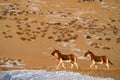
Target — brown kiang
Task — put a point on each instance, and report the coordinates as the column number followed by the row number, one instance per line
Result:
column 70, row 58
column 96, row 60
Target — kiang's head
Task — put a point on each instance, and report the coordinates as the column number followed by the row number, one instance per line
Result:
column 55, row 52
column 88, row 54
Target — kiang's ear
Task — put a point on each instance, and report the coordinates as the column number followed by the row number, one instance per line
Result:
column 55, row 49
column 89, row 51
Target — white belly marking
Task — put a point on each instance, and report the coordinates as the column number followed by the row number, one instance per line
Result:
column 99, row 62
column 68, row 61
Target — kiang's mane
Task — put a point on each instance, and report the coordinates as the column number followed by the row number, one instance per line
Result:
column 58, row 52
column 91, row 52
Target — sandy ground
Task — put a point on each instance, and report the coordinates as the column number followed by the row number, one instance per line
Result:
column 31, row 29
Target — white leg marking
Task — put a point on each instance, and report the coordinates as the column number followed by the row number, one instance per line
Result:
column 76, row 65
column 95, row 66
column 91, row 66
column 93, row 63
column 71, row 65
column 59, row 64
column 63, row 65
column 107, row 65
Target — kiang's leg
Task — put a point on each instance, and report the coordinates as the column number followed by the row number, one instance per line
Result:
column 63, row 65
column 93, row 63
column 71, row 65
column 59, row 64
column 76, row 65
column 95, row 66
column 107, row 65
column 106, row 62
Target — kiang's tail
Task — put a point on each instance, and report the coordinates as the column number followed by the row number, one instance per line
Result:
column 110, row 62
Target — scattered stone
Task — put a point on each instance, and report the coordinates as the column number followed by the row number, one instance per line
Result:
column 10, row 36
column 23, row 38
column 88, row 37
column 57, row 23
column 58, row 40
column 74, row 37
column 28, row 39
column 96, row 46
column 6, row 36
column 66, row 40
column 108, row 39
column 4, row 33
column 44, row 31
column 18, row 25
column 20, row 28
column 28, row 26
column 33, row 37
column 19, row 33
column 118, row 40
column 99, row 38
column 38, row 28
column 2, row 18
column 43, row 35
column 8, row 26
column 106, row 48
column 37, row 32
column 50, row 37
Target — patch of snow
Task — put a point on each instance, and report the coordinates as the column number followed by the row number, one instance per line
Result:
column 89, row 42
column 45, row 53
column 68, row 44
column 58, row 6
column 34, row 7
column 5, row 3
column 64, row 44
column 75, row 49
column 8, row 62
column 11, row 10
column 81, row 19
column 81, row 12
column 35, row 0
column 103, row 3
column 114, row 7
column 97, row 37
column 56, row 16
column 105, row 6
column 82, row 58
column 45, row 75
column 18, row 63
column 43, row 2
